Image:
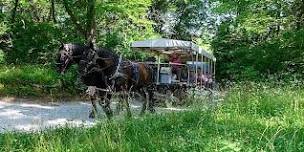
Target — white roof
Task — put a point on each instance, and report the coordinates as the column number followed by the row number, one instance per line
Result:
column 167, row 46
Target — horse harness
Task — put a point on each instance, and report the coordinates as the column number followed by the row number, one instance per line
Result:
column 92, row 57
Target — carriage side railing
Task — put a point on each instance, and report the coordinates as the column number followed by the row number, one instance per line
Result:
column 190, row 81
column 170, row 64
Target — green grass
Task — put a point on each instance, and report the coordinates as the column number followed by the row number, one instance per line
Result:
column 255, row 118
column 34, row 81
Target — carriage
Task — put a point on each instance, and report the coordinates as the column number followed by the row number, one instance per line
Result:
column 194, row 65
column 196, row 69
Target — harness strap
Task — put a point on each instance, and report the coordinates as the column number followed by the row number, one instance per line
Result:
column 117, row 73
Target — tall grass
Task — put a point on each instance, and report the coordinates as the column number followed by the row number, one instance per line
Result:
column 35, row 81
column 251, row 118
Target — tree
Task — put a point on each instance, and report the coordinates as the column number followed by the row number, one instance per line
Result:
column 52, row 14
column 181, row 19
column 258, row 37
column 14, row 11
column 84, row 28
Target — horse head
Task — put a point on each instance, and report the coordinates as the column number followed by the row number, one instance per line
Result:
column 68, row 54
column 64, row 58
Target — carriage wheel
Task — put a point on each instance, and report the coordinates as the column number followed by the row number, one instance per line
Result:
column 209, row 96
column 122, row 102
column 181, row 94
column 171, row 100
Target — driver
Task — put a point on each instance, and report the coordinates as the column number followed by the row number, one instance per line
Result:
column 176, row 69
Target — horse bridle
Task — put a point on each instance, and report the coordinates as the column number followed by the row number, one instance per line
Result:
column 70, row 58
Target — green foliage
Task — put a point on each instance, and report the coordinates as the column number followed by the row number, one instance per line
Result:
column 253, row 39
column 251, row 118
column 35, row 32
column 36, row 81
column 122, row 22
column 281, row 56
column 258, row 39
column 2, row 60
column 33, row 43
column 182, row 19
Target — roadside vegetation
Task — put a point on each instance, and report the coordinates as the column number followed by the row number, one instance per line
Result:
column 251, row 118
column 37, row 81
column 257, row 43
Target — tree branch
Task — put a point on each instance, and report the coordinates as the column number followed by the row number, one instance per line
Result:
column 14, row 11
column 52, row 12
column 90, row 31
column 74, row 18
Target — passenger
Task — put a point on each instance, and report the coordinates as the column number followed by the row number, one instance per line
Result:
column 151, row 62
column 184, row 74
column 207, row 79
column 210, row 80
column 192, row 76
column 176, row 69
column 199, row 75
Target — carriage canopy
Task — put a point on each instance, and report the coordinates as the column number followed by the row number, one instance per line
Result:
column 168, row 46
column 195, row 60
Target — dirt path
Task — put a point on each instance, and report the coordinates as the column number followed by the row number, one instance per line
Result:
column 20, row 115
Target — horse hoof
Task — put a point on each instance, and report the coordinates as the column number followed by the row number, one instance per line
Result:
column 109, row 114
column 129, row 115
column 152, row 110
column 142, row 114
column 92, row 115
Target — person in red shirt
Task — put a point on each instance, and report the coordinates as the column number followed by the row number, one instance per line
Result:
column 176, row 69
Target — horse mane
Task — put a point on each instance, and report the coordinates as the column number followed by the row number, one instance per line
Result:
column 78, row 49
column 109, row 54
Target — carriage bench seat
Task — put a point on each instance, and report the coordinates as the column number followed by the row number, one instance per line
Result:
column 165, row 75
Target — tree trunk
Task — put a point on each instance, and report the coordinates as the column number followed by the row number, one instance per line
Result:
column 52, row 12
column 34, row 11
column 1, row 7
column 74, row 19
column 279, row 17
column 89, row 31
column 14, row 11
column 299, row 14
column 91, row 25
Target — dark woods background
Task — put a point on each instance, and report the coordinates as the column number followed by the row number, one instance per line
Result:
column 252, row 40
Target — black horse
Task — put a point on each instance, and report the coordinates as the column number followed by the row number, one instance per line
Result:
column 123, row 76
column 74, row 54
column 101, row 68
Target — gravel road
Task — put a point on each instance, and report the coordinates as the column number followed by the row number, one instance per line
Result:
column 26, row 115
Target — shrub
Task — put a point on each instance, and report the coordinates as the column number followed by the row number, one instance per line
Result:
column 36, row 80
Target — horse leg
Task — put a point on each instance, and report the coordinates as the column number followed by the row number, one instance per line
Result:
column 105, row 104
column 119, row 106
column 127, row 95
column 151, row 101
column 94, row 109
column 144, row 106
column 91, row 91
